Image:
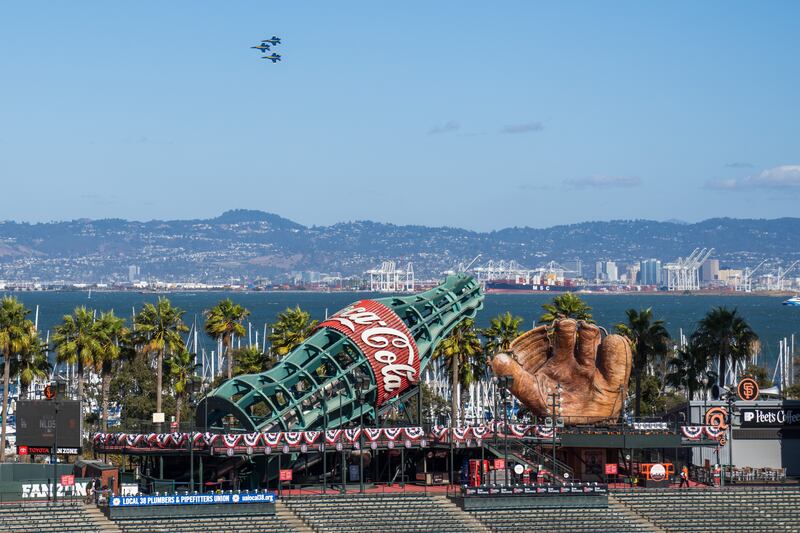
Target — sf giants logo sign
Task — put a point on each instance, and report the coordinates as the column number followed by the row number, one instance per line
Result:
column 385, row 340
column 748, row 389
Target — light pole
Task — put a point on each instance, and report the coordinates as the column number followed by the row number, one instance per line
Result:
column 195, row 385
column 556, row 407
column 324, row 436
column 363, row 384
column 505, row 383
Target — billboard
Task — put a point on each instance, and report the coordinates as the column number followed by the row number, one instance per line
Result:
column 761, row 418
column 37, row 424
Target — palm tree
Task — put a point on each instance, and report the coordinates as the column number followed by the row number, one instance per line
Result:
column 292, row 328
column 690, row 371
column 251, row 360
column 157, row 331
column 180, row 368
column 76, row 342
column 566, row 305
column 16, row 333
column 501, row 331
column 31, row 364
column 649, row 341
column 223, row 321
column 724, row 334
column 463, row 352
column 112, row 335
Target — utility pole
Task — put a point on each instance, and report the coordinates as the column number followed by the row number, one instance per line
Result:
column 555, row 408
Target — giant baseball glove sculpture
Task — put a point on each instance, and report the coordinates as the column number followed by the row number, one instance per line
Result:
column 593, row 371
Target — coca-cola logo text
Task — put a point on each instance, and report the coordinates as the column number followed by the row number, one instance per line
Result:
column 385, row 340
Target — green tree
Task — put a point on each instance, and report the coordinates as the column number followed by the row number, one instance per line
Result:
column 654, row 400
column 649, row 341
column 16, row 334
column 76, row 342
column 723, row 333
column 689, row 370
column 157, row 332
column 31, row 363
column 760, row 374
column 112, row 336
column 793, row 392
column 180, row 367
column 223, row 321
column 251, row 360
column 566, row 305
column 291, row 329
column 463, row 353
column 133, row 388
column 501, row 331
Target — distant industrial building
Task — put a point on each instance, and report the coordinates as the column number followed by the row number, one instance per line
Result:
column 606, row 271
column 650, row 272
column 710, row 270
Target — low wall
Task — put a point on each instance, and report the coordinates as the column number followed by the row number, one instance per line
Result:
column 190, row 505
column 492, row 503
column 189, row 511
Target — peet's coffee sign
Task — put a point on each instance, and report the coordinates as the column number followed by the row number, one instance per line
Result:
column 769, row 418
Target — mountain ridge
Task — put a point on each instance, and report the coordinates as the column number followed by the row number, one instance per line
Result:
column 250, row 243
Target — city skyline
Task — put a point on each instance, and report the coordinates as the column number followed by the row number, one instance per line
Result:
column 468, row 116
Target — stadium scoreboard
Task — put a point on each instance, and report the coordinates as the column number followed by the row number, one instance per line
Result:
column 41, row 422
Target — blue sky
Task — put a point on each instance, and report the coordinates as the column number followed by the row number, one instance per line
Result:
column 475, row 114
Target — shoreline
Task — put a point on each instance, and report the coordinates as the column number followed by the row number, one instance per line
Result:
column 772, row 294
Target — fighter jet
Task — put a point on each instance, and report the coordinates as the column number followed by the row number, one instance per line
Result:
column 273, row 57
column 263, row 47
column 274, row 41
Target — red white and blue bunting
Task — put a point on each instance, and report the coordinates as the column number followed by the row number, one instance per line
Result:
column 697, row 432
column 440, row 434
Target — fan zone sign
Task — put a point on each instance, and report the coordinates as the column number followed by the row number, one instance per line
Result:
column 192, row 499
column 386, row 342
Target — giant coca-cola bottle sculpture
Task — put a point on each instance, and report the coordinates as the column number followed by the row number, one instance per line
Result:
column 379, row 346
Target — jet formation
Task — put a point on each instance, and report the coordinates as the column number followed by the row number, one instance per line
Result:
column 265, row 47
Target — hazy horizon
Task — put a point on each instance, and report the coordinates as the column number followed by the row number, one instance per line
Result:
column 489, row 230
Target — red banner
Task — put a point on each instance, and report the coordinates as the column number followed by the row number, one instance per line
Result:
column 611, row 469
column 67, row 480
column 286, row 474
column 499, row 464
column 386, row 342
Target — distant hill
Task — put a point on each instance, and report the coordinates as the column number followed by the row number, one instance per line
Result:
column 249, row 244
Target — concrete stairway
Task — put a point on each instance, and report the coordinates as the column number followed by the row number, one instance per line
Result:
column 101, row 521
column 288, row 516
column 634, row 517
column 467, row 518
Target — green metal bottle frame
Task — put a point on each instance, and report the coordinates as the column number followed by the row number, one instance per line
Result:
column 315, row 386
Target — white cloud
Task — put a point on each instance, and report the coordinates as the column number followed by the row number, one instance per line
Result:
column 451, row 125
column 782, row 177
column 605, row 182
column 523, row 128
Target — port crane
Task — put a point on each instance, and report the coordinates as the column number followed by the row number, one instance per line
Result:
column 746, row 282
column 776, row 284
column 684, row 274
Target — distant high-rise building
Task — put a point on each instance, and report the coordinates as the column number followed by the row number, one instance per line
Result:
column 632, row 273
column 650, row 272
column 573, row 269
column 606, row 271
column 710, row 270
column 133, row 273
